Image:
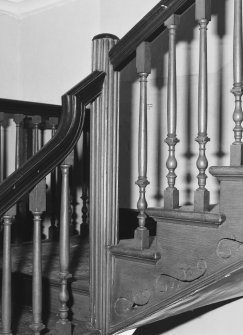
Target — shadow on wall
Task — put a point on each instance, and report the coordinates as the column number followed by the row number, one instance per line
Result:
column 186, row 150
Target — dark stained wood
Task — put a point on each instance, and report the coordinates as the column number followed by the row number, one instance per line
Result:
column 53, row 153
column 29, row 108
column 147, row 29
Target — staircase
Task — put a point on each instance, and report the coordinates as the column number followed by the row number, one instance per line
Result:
column 106, row 282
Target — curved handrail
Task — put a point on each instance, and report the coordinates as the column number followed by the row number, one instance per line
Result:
column 147, row 29
column 55, row 151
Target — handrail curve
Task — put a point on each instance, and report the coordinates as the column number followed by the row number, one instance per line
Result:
column 55, row 151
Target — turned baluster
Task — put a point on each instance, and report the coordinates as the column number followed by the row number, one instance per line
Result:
column 18, row 119
column 236, row 149
column 171, row 194
column 143, row 64
column 6, row 273
column 63, row 325
column 37, row 205
column 201, row 195
column 20, row 205
column 53, row 229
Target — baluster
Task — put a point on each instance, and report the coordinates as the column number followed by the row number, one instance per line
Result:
column 20, row 205
column 18, row 119
column 236, row 149
column 143, row 64
column 37, row 205
column 63, row 325
column 36, row 120
column 6, row 273
column 201, row 195
column 171, row 194
column 53, row 230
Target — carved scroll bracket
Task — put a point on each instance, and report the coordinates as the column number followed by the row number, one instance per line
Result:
column 228, row 247
column 183, row 274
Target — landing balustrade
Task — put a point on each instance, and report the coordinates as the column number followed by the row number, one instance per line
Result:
column 29, row 177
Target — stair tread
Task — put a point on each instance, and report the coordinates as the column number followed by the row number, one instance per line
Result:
column 21, row 320
column 79, row 259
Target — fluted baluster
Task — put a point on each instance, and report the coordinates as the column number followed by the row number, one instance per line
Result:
column 53, row 229
column 171, row 194
column 6, row 273
column 143, row 64
column 236, row 150
column 63, row 325
column 201, row 195
column 37, row 205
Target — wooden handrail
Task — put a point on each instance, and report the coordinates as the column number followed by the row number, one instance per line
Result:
column 29, row 108
column 147, row 29
column 54, row 152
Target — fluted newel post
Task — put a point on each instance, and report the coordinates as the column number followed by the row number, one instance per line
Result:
column 201, row 195
column 53, row 229
column 37, row 205
column 143, row 64
column 103, row 219
column 236, row 149
column 6, row 273
column 63, row 325
column 171, row 194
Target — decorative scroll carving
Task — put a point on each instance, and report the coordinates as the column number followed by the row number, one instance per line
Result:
column 139, row 298
column 185, row 274
column 122, row 306
column 228, row 247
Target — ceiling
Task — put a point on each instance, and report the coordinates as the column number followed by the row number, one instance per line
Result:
column 22, row 8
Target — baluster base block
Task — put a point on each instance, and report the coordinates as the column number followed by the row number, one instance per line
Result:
column 236, row 154
column 201, row 200
column 63, row 328
column 171, row 198
column 141, row 236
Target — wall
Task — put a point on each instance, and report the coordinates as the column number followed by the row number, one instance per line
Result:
column 44, row 55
